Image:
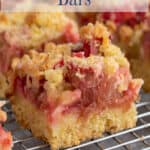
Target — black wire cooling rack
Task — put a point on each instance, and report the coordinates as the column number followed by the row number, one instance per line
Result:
column 137, row 138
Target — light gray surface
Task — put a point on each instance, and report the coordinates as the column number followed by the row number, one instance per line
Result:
column 23, row 139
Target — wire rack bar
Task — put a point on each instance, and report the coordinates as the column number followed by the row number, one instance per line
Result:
column 147, row 148
column 142, row 104
column 111, row 136
column 120, row 144
column 129, row 142
column 22, row 140
column 143, row 115
column 37, row 147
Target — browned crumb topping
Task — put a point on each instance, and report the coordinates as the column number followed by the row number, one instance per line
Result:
column 97, row 31
column 36, row 63
column 35, row 28
column 64, row 49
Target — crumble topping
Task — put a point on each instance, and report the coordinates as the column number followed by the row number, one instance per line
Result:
column 18, row 36
column 87, row 62
column 57, row 81
column 46, row 20
column 103, row 45
column 55, row 58
column 35, row 28
column 36, row 63
column 114, row 52
column 54, row 78
column 10, row 19
column 97, row 31
column 64, row 49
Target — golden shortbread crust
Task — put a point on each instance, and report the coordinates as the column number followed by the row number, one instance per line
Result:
column 72, row 130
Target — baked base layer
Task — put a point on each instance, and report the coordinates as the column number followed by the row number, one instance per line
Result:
column 71, row 130
column 141, row 69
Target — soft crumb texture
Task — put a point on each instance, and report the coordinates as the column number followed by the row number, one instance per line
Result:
column 73, row 129
column 5, row 137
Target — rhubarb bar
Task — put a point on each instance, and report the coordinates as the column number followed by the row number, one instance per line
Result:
column 67, row 98
column 131, row 31
column 20, row 32
column 135, row 41
column 5, row 137
column 127, row 28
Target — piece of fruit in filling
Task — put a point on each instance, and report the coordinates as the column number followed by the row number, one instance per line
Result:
column 5, row 137
column 93, row 83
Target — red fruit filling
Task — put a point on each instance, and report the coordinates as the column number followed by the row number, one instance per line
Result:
column 87, row 47
column 54, row 108
column 100, row 92
column 78, row 54
column 92, row 93
column 59, row 64
column 90, row 46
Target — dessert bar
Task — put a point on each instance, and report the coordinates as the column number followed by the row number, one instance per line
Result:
column 20, row 32
column 68, row 95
